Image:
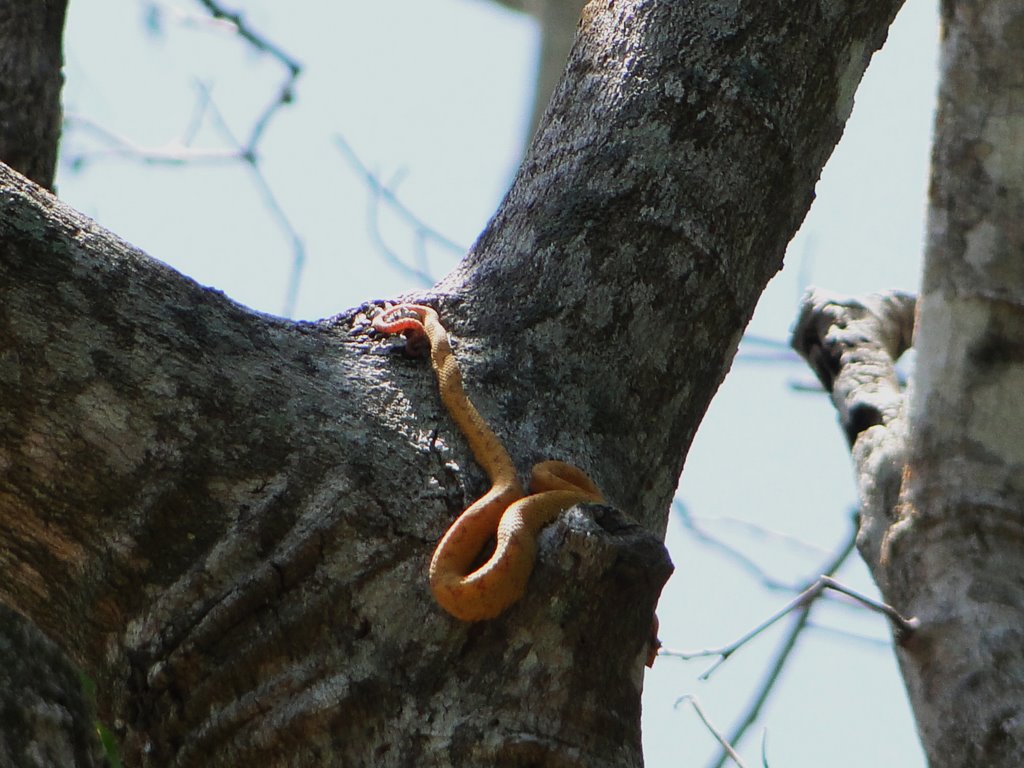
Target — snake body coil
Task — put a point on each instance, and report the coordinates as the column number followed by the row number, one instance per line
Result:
column 505, row 513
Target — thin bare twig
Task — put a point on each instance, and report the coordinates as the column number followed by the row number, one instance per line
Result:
column 784, row 652
column 156, row 10
column 298, row 246
column 769, row 350
column 806, row 385
column 696, row 528
column 284, row 96
column 180, row 151
column 381, row 194
column 176, row 152
column 880, row 643
column 396, row 205
column 418, row 273
column 286, row 93
column 902, row 626
column 727, row 748
column 764, row 341
column 802, row 604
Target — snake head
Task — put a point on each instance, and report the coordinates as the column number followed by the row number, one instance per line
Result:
column 406, row 319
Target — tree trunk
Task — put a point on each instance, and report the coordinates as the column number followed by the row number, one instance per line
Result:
column 226, row 517
column 31, row 77
column 942, row 484
column 46, row 718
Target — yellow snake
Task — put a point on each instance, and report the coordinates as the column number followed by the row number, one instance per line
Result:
column 504, row 513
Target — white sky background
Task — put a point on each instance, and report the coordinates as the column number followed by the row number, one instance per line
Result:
column 434, row 96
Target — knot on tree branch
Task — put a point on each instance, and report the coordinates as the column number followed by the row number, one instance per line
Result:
column 586, row 617
column 852, row 345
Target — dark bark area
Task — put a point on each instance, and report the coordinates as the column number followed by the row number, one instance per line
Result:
column 226, row 517
column 46, row 719
column 31, row 78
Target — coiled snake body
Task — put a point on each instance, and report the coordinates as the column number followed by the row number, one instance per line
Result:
column 505, row 512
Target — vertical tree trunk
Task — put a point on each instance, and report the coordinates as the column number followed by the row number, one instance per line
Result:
column 31, row 78
column 955, row 559
column 942, row 475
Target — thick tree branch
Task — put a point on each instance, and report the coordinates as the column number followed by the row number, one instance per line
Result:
column 655, row 203
column 213, row 515
column 227, row 517
column 943, row 536
column 852, row 345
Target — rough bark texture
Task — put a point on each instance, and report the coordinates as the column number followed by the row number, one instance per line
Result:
column 226, row 517
column 31, row 77
column 45, row 721
column 956, row 555
column 852, row 345
column 942, row 484
column 45, row 718
column 674, row 164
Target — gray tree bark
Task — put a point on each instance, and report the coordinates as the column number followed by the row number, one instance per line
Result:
column 226, row 517
column 941, row 470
